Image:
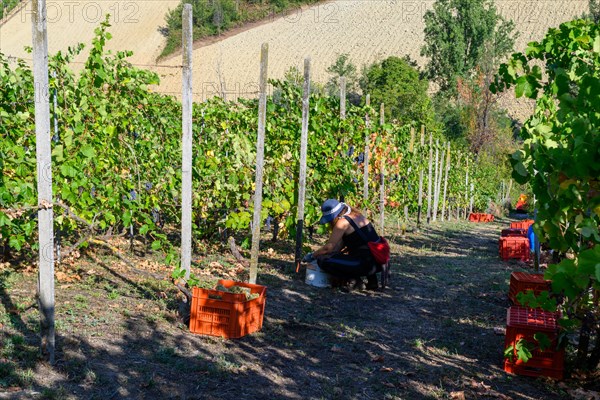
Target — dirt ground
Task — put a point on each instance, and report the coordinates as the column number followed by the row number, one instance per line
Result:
column 436, row 333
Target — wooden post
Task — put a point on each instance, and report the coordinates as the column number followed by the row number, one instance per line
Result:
column 446, row 183
column 55, row 118
column 471, row 200
column 303, row 148
column 260, row 155
column 429, row 178
column 467, row 187
column 342, row 97
column 382, row 198
column 43, row 152
column 421, row 173
column 439, row 179
column 368, row 100
column 536, row 246
column 186, row 142
column 381, row 114
column 366, row 166
column 435, row 181
column 508, row 199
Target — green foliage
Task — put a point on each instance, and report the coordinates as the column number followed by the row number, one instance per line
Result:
column 116, row 156
column 342, row 67
column 212, row 17
column 7, row 6
column 397, row 84
column 543, row 300
column 458, row 33
column 594, row 6
column 560, row 159
column 524, row 349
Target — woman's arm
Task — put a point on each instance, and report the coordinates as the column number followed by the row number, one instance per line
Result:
column 335, row 242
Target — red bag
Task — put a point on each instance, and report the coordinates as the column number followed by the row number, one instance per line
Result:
column 380, row 250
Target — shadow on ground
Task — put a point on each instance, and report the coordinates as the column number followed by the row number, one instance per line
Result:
column 429, row 335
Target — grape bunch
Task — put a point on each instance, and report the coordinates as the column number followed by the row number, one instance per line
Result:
column 361, row 158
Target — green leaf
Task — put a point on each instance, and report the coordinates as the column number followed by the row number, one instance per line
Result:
column 156, row 245
column 127, row 218
column 543, row 340
column 4, row 219
column 521, row 86
column 523, row 351
column 58, row 153
column 509, row 353
column 88, row 151
column 68, row 170
column 15, row 242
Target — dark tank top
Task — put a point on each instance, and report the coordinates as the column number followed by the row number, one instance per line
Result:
column 356, row 245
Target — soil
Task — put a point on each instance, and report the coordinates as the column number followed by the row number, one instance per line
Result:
column 435, row 333
column 228, row 65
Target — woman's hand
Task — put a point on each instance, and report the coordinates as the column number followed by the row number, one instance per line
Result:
column 335, row 242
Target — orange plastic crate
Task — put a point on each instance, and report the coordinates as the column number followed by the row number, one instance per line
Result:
column 231, row 315
column 523, row 281
column 514, row 232
column 481, row 217
column 524, row 323
column 525, row 224
column 516, row 247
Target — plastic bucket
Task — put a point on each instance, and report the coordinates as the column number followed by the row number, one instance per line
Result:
column 315, row 276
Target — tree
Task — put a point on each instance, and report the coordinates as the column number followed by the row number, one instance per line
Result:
column 342, row 67
column 559, row 159
column 397, row 84
column 594, row 6
column 458, row 33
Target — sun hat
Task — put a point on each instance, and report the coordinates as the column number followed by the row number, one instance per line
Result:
column 331, row 208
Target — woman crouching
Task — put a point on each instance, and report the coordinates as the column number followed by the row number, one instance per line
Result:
column 346, row 254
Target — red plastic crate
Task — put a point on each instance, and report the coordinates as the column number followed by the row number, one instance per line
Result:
column 481, row 217
column 524, row 323
column 225, row 314
column 514, row 247
column 525, row 224
column 513, row 232
column 523, row 281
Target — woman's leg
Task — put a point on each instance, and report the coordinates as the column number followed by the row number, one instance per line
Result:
column 346, row 266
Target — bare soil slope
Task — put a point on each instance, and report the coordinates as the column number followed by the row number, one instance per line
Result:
column 134, row 27
column 367, row 30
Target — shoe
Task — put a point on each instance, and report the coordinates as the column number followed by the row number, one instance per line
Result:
column 372, row 283
column 359, row 284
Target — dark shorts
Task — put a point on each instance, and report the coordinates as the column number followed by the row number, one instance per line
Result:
column 348, row 266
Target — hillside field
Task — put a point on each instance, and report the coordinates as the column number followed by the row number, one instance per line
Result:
column 367, row 30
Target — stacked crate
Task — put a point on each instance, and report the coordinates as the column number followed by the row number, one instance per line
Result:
column 525, row 224
column 510, row 232
column 523, row 281
column 524, row 323
column 513, row 247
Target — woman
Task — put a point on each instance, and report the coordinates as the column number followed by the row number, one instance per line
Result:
column 346, row 254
